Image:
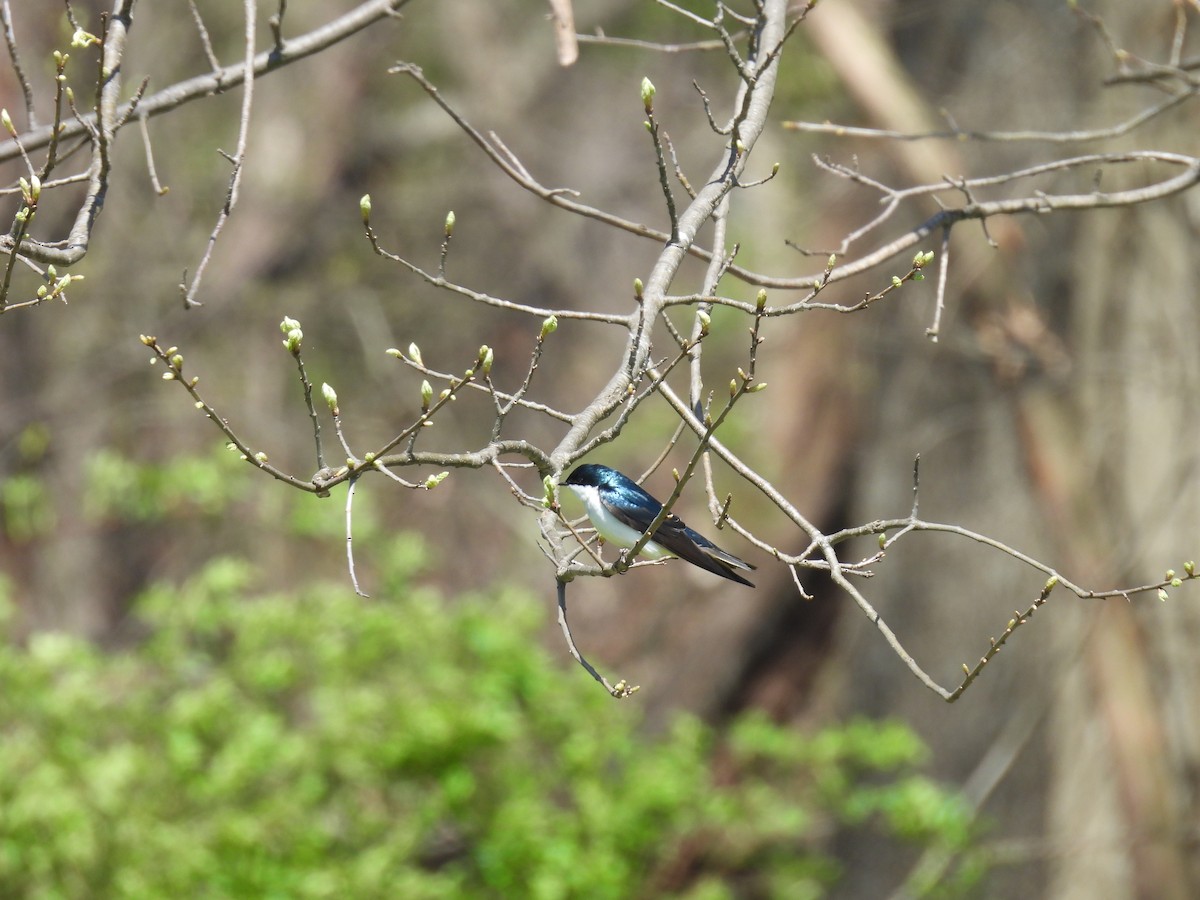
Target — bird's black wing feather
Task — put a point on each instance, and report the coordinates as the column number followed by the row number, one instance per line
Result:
column 675, row 536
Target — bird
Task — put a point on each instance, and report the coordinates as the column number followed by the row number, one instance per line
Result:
column 621, row 511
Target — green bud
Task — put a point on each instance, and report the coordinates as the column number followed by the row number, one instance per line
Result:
column 364, row 207
column 168, row 376
column 1049, row 585
column 637, row 288
column 1162, row 595
column 1169, row 575
column 294, row 338
column 1190, row 568
column 260, row 456
column 896, row 281
column 549, row 326
column 832, row 261
column 705, row 321
column 732, row 387
column 648, row 93
column 176, row 362
column 1176, row 582
column 148, row 340
column 288, row 324
column 444, row 394
column 760, row 302
column 83, row 38
column 761, row 386
column 486, row 358
column 550, row 495
column 414, row 353
column 42, row 291
column 426, row 394
column 882, row 539
column 330, row 396
column 434, row 480
column 775, row 169
column 35, row 191
column 449, row 226
column 7, row 121
column 392, row 351
column 918, row 276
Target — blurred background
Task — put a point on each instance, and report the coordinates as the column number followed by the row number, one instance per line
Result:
column 180, row 626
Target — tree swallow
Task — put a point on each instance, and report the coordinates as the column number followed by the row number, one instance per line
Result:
column 621, row 511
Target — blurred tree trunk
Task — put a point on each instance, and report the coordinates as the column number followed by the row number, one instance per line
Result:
column 1054, row 415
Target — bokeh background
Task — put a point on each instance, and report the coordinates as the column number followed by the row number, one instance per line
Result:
column 1055, row 414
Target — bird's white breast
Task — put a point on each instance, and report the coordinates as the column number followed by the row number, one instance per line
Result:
column 610, row 527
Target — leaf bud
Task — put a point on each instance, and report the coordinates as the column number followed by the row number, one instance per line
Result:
column 648, row 92
column 705, row 321
column 330, row 396
column 288, row 324
column 486, row 358
column 549, row 326
column 448, row 228
column 434, row 480
column 896, row 281
column 414, row 353
column 760, row 302
column 364, row 207
column 426, row 394
column 638, row 287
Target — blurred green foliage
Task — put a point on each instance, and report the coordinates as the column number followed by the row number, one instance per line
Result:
column 263, row 741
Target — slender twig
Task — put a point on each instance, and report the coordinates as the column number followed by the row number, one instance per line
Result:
column 159, row 188
column 350, row 536
column 189, row 291
column 10, row 40
column 621, row 689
